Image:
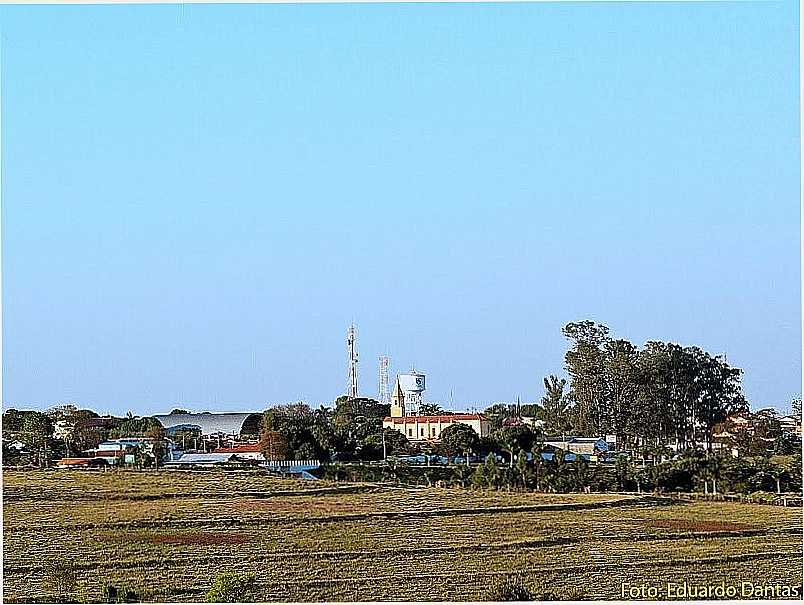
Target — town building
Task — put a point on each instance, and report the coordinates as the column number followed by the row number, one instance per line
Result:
column 80, row 463
column 407, row 398
column 120, row 451
column 246, row 451
column 791, row 425
column 590, row 446
column 234, row 426
column 429, row 428
column 208, row 460
column 102, row 423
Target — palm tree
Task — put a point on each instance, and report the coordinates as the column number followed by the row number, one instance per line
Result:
column 555, row 404
column 522, row 466
column 538, row 461
column 777, row 471
column 716, row 466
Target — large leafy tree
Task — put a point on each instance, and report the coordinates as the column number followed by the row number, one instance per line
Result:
column 135, row 427
column 297, row 424
column 585, row 363
column 85, row 438
column 156, row 433
column 649, row 397
column 497, row 414
column 511, row 439
column 459, row 439
column 348, row 410
column 273, row 445
column 389, row 442
column 718, row 393
column 35, row 433
column 356, row 428
column 621, row 379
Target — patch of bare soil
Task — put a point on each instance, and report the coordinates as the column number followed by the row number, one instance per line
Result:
column 319, row 507
column 698, row 526
column 193, row 539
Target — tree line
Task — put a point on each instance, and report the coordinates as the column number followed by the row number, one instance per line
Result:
column 659, row 394
column 649, row 398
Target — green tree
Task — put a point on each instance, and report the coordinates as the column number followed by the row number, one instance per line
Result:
column 522, row 466
column 585, row 363
column 134, row 427
column 497, row 414
column 296, row 423
column 511, row 439
column 652, row 396
column 718, row 392
column 273, row 445
column 459, row 439
column 486, row 474
column 35, row 433
column 86, row 437
column 156, row 433
column 432, row 409
column 786, row 445
column 538, row 461
column 355, row 429
column 396, row 444
column 462, row 474
column 555, row 407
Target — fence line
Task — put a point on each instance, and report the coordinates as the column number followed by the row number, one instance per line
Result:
column 289, row 464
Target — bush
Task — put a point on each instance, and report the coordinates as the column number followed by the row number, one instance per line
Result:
column 61, row 579
column 511, row 588
column 763, row 497
column 113, row 594
column 231, row 588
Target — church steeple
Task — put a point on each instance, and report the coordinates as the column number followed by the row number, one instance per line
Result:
column 397, row 401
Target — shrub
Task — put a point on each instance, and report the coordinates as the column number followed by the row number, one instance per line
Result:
column 231, row 588
column 61, row 579
column 511, row 588
column 124, row 594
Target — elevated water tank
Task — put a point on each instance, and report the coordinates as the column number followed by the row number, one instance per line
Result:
column 412, row 382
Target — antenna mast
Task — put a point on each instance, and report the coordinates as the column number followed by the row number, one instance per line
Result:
column 384, row 390
column 351, row 345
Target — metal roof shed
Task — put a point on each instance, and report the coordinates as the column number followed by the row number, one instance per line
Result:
column 230, row 424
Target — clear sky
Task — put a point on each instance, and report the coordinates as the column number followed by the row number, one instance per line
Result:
column 198, row 200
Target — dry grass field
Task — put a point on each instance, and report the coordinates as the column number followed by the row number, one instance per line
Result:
column 167, row 535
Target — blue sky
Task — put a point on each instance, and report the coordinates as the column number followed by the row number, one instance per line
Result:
column 197, row 200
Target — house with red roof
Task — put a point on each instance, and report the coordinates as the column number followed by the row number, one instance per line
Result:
column 429, row 428
column 245, row 451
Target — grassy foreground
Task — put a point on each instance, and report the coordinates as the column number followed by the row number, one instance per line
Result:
column 167, row 535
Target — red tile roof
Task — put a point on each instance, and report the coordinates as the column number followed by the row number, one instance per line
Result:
column 446, row 418
column 74, row 461
column 246, row 448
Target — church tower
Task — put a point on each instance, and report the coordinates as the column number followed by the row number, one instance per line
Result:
column 397, row 401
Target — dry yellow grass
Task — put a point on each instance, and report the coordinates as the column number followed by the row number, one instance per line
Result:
column 169, row 534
